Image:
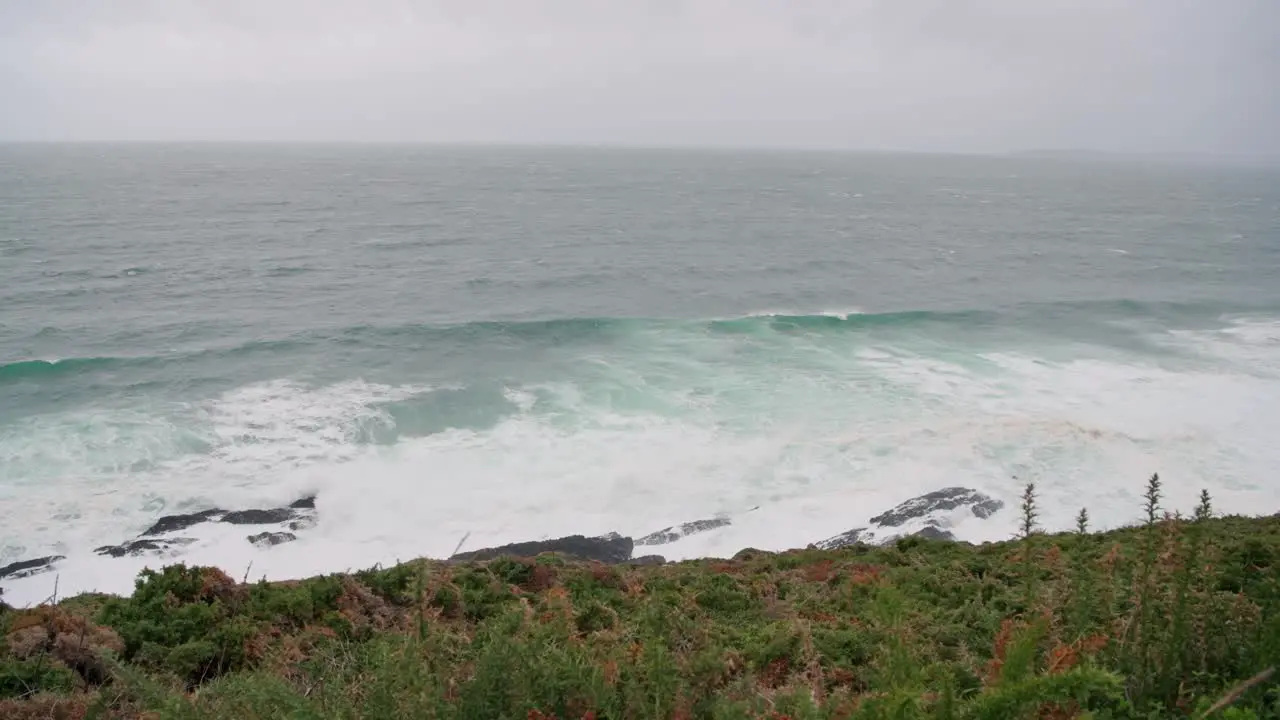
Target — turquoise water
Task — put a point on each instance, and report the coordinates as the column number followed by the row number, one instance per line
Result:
column 515, row 343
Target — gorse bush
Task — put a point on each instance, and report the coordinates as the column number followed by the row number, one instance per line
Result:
column 1176, row 617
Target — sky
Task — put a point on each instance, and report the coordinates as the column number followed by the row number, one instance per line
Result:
column 1163, row 76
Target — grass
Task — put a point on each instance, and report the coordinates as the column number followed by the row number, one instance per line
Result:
column 1177, row 617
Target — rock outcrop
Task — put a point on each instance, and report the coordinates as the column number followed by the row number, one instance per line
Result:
column 299, row 510
column 174, row 523
column 299, row 515
column 648, row 560
column 26, row 568
column 675, row 532
column 611, row 548
column 930, row 515
column 946, row 499
column 273, row 516
column 934, row 533
column 159, row 546
column 844, row 539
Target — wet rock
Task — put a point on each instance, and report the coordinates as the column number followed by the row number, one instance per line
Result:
column 26, row 568
column 258, row 517
column 306, row 503
column 675, row 532
column 173, row 523
column 648, row 560
column 844, row 539
column 932, row 532
column 947, row 499
column 269, row 539
column 611, row 548
column 144, row 545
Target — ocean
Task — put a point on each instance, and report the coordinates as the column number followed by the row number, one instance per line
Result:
column 504, row 344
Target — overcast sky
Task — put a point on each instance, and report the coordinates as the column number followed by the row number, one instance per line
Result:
column 1197, row 76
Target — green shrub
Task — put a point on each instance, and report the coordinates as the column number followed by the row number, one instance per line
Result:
column 20, row 678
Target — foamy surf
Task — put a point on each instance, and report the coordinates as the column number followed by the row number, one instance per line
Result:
column 795, row 437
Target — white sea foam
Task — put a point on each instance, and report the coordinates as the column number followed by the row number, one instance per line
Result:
column 819, row 445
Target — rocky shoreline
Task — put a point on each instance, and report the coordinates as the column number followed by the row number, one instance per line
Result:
column 929, row 516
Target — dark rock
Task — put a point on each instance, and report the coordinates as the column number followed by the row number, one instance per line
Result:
column 844, row 539
column 983, row 506
column 611, row 548
column 934, row 533
column 648, row 560
column 752, row 554
column 170, row 523
column 675, row 532
column 144, row 545
column 268, row 539
column 26, row 568
column 258, row 517
column 306, row 503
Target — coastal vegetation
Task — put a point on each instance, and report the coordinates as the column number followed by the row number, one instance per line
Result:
column 1177, row 616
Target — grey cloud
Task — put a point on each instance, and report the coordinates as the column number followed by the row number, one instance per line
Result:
column 975, row 75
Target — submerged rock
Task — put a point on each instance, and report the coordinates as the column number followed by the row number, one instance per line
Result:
column 611, row 548
column 269, row 539
column 144, row 545
column 983, row 506
column 675, row 532
column 26, row 568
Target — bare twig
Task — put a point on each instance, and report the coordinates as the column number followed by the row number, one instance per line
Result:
column 1237, row 691
column 460, row 543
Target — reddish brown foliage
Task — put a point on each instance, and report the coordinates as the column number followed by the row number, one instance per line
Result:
column 998, row 653
column 363, row 609
column 217, row 585
column 1053, row 557
column 775, row 673
column 69, row 639
column 862, row 574
column 819, row 617
column 605, row 575
column 819, row 572
column 1053, row 711
column 45, row 707
column 542, row 578
column 1062, row 658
